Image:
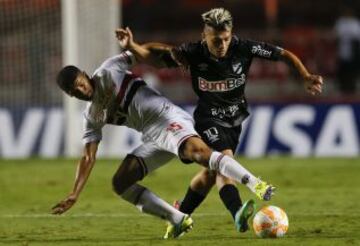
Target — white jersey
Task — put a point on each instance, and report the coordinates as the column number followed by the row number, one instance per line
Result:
column 123, row 99
column 115, row 86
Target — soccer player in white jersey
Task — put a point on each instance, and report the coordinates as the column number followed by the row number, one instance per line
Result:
column 117, row 96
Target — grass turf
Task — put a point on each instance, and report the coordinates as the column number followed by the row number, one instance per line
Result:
column 319, row 195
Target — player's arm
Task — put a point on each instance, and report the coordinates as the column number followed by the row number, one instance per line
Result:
column 126, row 41
column 85, row 165
column 312, row 83
column 156, row 54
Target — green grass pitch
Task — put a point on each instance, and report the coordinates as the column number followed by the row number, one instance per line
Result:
column 320, row 197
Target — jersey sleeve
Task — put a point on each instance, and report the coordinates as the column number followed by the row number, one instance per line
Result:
column 181, row 53
column 263, row 50
column 92, row 127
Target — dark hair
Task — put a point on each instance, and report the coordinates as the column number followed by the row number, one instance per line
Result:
column 66, row 78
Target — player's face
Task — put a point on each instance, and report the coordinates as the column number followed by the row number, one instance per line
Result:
column 83, row 89
column 218, row 41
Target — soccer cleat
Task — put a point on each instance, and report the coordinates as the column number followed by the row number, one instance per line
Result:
column 175, row 231
column 264, row 191
column 243, row 214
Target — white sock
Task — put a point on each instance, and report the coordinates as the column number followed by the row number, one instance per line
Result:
column 147, row 202
column 230, row 168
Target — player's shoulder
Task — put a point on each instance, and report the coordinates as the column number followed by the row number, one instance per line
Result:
column 241, row 45
column 251, row 45
column 101, row 73
column 104, row 80
column 244, row 42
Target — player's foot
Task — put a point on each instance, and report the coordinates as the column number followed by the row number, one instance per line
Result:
column 175, row 231
column 243, row 214
column 264, row 191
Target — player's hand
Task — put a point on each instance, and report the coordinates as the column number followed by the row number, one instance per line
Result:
column 313, row 84
column 125, row 37
column 64, row 205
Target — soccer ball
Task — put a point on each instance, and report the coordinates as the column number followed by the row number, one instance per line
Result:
column 270, row 221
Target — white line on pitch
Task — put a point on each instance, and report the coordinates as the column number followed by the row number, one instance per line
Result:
column 129, row 215
column 91, row 215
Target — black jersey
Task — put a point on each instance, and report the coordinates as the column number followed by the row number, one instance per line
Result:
column 220, row 83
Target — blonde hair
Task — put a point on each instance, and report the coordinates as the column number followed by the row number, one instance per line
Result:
column 218, row 18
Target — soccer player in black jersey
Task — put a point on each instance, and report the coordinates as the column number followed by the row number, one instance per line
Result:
column 218, row 65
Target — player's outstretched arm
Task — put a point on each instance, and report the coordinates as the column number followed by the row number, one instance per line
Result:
column 312, row 83
column 165, row 55
column 85, row 165
column 156, row 54
column 126, row 41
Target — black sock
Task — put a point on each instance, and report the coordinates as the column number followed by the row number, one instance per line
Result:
column 229, row 194
column 191, row 201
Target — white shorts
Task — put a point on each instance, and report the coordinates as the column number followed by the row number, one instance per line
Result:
column 164, row 126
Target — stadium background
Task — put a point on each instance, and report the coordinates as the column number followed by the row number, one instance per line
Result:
column 39, row 36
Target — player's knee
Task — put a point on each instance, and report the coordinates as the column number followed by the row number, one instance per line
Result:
column 128, row 174
column 195, row 149
column 117, row 184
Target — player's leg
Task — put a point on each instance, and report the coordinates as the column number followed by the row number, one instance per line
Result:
column 202, row 183
column 225, row 141
column 205, row 179
column 197, row 191
column 135, row 167
column 195, row 149
column 173, row 131
column 132, row 170
column 129, row 172
column 229, row 194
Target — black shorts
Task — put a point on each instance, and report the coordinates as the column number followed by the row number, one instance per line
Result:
column 218, row 137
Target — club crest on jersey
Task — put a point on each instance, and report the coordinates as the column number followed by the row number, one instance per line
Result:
column 221, row 85
column 237, row 68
